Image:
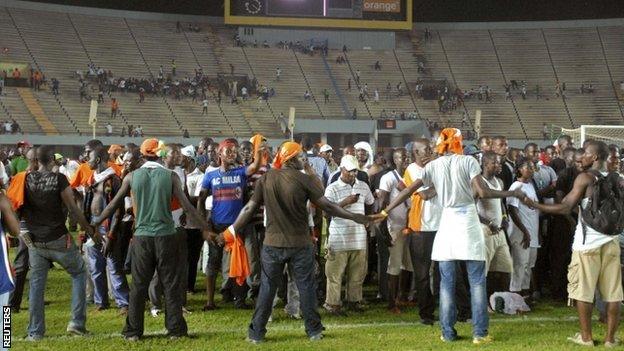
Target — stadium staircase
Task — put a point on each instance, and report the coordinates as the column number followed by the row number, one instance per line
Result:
column 36, row 111
column 12, row 107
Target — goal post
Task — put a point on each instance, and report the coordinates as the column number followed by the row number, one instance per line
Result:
column 608, row 134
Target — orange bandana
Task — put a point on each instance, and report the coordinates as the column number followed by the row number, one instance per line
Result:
column 450, row 140
column 287, row 151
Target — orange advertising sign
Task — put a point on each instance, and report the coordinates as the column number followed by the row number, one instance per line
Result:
column 387, row 6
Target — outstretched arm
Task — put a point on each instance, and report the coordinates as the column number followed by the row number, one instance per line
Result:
column 333, row 209
column 484, row 191
column 570, row 201
column 404, row 195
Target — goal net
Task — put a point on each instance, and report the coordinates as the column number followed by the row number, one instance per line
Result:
column 607, row 134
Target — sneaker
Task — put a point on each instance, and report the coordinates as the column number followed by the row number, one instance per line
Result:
column 33, row 338
column 316, row 337
column 185, row 310
column 481, row 340
column 133, row 338
column 615, row 343
column 296, row 316
column 254, row 341
column 155, row 312
column 443, row 339
column 578, row 339
column 72, row 330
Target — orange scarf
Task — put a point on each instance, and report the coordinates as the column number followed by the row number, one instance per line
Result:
column 414, row 216
column 239, row 262
column 256, row 141
column 16, row 191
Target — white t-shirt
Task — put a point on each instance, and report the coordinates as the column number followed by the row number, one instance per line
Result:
column 345, row 234
column 192, row 180
column 460, row 236
column 398, row 216
column 593, row 239
column 431, row 211
column 528, row 216
column 208, row 203
column 451, row 176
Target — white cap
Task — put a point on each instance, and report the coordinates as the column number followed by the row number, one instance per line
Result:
column 326, row 148
column 349, row 162
column 188, row 151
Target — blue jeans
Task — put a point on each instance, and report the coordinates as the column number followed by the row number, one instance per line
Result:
column 64, row 252
column 97, row 268
column 301, row 259
column 478, row 297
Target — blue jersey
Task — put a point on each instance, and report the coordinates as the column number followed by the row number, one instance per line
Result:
column 227, row 189
column 6, row 276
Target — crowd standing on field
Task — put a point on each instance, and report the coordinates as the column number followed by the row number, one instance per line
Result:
column 471, row 230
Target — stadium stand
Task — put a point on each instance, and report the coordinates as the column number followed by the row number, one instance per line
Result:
column 60, row 44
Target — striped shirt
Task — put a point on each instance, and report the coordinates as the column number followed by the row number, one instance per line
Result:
column 345, row 234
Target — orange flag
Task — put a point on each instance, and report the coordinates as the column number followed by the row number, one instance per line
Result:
column 239, row 262
column 15, row 193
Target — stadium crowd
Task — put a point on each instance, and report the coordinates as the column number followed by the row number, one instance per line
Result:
column 299, row 222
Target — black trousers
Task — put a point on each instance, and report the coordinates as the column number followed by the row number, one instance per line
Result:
column 20, row 264
column 194, row 243
column 161, row 254
column 420, row 245
column 560, row 245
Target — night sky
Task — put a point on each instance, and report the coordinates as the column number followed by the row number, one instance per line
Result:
column 424, row 11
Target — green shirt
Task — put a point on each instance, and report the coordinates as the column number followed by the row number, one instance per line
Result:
column 19, row 164
column 151, row 196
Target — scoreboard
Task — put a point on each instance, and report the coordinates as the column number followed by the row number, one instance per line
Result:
column 362, row 14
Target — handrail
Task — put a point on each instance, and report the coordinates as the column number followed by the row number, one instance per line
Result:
column 513, row 103
column 32, row 56
column 254, row 75
column 149, row 70
column 552, row 64
column 343, row 103
column 448, row 62
column 218, row 104
column 123, row 117
column 308, row 84
column 409, row 91
column 604, row 55
column 357, row 83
